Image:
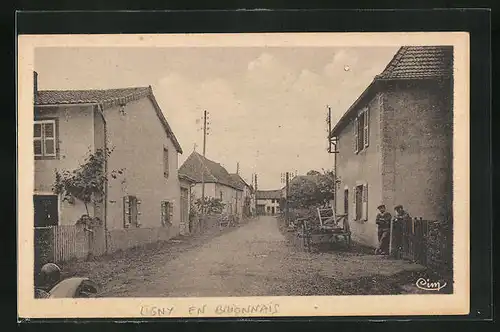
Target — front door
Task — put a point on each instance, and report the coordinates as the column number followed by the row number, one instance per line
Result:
column 46, row 210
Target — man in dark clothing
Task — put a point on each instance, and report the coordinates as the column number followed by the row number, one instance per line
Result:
column 401, row 218
column 383, row 221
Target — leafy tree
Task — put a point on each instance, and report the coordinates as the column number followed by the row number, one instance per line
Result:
column 212, row 205
column 87, row 183
column 315, row 189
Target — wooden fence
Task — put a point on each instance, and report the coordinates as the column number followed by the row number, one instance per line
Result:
column 425, row 242
column 62, row 243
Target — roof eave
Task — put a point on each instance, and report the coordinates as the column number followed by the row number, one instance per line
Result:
column 164, row 121
column 340, row 124
column 376, row 83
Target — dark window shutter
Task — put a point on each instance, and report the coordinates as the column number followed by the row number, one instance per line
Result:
column 366, row 132
column 126, row 211
column 356, row 124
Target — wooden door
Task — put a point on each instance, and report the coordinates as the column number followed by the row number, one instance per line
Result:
column 46, row 210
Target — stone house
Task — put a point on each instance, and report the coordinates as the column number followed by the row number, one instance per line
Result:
column 218, row 182
column 248, row 201
column 144, row 203
column 394, row 144
column 268, row 201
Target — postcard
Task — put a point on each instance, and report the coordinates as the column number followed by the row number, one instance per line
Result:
column 243, row 175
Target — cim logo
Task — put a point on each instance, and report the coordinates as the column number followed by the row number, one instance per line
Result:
column 428, row 285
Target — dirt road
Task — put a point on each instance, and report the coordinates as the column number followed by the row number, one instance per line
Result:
column 253, row 260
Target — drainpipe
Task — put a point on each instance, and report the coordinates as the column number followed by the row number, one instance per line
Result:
column 101, row 112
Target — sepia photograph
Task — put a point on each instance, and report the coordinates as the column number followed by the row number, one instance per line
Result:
column 243, row 176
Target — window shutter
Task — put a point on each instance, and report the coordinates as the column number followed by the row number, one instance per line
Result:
column 366, row 133
column 138, row 212
column 354, row 202
column 356, row 135
column 365, row 201
column 166, row 169
column 126, row 212
column 163, row 213
column 170, row 212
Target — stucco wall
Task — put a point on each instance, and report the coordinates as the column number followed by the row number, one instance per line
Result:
column 231, row 197
column 417, row 155
column 356, row 169
column 121, row 239
column 408, row 160
column 138, row 140
column 75, row 129
column 209, row 190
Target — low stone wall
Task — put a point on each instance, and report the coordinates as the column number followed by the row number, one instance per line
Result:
column 122, row 239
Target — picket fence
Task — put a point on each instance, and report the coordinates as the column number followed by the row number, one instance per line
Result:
column 425, row 242
column 62, row 243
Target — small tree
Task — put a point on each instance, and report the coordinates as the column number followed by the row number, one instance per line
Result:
column 212, row 205
column 87, row 183
column 316, row 189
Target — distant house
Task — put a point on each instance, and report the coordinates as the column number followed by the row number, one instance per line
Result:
column 140, row 206
column 218, row 182
column 248, row 201
column 268, row 201
column 395, row 142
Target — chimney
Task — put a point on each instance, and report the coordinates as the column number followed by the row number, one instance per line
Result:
column 35, row 83
column 237, row 168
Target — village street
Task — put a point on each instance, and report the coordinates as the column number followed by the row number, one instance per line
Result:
column 252, row 260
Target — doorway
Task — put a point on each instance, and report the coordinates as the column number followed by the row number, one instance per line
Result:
column 272, row 210
column 46, row 210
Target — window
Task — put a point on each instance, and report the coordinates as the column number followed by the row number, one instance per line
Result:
column 166, row 170
column 131, row 211
column 361, row 130
column 166, row 213
column 221, row 194
column 44, row 138
column 361, row 202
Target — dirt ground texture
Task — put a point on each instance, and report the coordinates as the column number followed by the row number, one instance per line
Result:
column 255, row 259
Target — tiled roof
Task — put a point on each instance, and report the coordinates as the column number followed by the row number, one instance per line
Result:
column 238, row 181
column 58, row 97
column 197, row 167
column 106, row 98
column 413, row 63
column 268, row 194
column 419, row 62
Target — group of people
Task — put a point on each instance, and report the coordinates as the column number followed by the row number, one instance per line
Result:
column 383, row 220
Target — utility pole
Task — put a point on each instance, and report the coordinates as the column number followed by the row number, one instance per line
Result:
column 256, row 187
column 285, row 178
column 286, row 197
column 205, row 133
column 332, row 141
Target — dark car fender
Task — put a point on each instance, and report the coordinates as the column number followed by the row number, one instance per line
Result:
column 74, row 288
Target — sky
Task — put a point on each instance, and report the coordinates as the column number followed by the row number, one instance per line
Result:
column 266, row 106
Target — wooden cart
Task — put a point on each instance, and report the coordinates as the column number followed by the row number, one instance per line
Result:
column 332, row 228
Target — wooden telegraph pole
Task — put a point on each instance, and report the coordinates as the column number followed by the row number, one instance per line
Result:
column 287, row 181
column 205, row 133
column 332, row 141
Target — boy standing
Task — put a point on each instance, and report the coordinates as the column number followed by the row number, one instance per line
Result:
column 383, row 221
